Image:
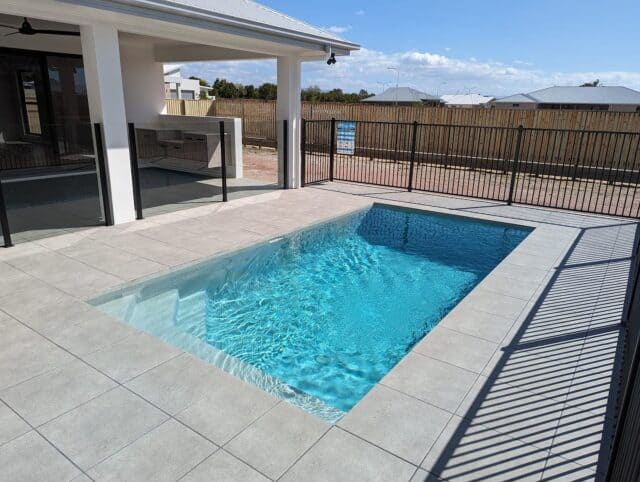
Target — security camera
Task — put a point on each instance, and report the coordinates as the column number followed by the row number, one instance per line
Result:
column 332, row 59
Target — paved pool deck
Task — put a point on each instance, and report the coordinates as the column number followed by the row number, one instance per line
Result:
column 519, row 381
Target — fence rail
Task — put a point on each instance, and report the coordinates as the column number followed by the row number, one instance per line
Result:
column 582, row 170
column 259, row 117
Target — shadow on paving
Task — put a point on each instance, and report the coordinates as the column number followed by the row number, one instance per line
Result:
column 546, row 409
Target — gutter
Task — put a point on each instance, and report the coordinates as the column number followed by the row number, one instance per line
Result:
column 191, row 16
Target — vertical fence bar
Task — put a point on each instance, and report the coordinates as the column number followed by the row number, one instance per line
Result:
column 285, row 154
column 412, row 159
column 102, row 172
column 135, row 174
column 303, row 155
column 516, row 160
column 4, row 220
column 333, row 148
column 223, row 162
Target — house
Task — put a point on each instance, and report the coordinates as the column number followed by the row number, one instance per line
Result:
column 177, row 87
column 601, row 98
column 68, row 67
column 403, row 96
column 466, row 101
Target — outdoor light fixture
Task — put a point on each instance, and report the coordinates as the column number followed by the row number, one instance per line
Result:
column 332, row 59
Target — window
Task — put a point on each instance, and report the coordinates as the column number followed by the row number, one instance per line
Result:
column 30, row 107
column 188, row 94
column 173, row 94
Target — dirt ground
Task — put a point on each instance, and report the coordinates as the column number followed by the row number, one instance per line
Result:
column 552, row 191
column 260, row 163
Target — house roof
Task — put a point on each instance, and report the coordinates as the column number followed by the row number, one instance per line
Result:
column 466, row 99
column 246, row 14
column 402, row 94
column 577, row 95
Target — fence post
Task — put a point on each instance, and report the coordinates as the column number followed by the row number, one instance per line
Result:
column 303, row 157
column 413, row 154
column 223, row 162
column 102, row 172
column 333, row 148
column 516, row 160
column 135, row 177
column 285, row 154
column 4, row 220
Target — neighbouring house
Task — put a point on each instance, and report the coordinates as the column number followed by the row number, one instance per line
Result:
column 466, row 101
column 76, row 68
column 601, row 98
column 403, row 96
column 178, row 87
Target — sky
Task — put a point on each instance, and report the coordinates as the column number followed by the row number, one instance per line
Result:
column 491, row 47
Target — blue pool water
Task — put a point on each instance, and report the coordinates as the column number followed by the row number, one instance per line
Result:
column 320, row 316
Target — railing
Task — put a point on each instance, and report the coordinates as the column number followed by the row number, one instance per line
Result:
column 589, row 171
column 625, row 463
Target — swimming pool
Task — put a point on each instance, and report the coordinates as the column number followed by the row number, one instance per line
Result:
column 320, row 316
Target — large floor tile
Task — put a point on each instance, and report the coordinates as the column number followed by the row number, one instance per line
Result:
column 112, row 260
column 177, row 384
column 430, row 380
column 11, row 425
column 512, row 411
column 46, row 396
column 132, row 356
column 223, row 467
column 470, row 321
column 164, row 454
column 396, row 422
column 98, row 429
column 468, row 452
column 275, row 441
column 67, row 274
column 25, row 354
column 227, row 406
column 340, row 456
column 31, row 458
column 459, row 349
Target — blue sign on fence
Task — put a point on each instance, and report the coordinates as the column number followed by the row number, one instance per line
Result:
column 346, row 139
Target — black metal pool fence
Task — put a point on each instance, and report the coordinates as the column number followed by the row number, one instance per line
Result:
column 581, row 170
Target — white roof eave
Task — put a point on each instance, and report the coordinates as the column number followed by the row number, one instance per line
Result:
column 220, row 23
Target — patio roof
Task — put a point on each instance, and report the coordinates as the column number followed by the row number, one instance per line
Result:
column 231, row 17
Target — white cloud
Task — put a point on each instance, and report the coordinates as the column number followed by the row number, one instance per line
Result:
column 360, row 13
column 426, row 71
column 338, row 29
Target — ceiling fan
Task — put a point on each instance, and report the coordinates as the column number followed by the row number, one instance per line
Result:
column 27, row 29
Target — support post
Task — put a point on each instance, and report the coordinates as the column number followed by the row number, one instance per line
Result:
column 223, row 162
column 413, row 155
column 303, row 155
column 102, row 173
column 516, row 161
column 289, row 108
column 4, row 220
column 332, row 148
column 135, row 173
column 105, row 93
column 285, row 154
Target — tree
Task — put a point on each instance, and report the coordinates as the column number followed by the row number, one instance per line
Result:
column 595, row 83
column 224, row 89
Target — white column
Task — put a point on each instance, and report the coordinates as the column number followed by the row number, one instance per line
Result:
column 289, row 107
column 101, row 57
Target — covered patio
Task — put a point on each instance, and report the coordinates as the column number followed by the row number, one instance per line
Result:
column 76, row 73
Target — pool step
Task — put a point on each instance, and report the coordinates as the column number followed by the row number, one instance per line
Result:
column 192, row 310
column 157, row 313
column 121, row 308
